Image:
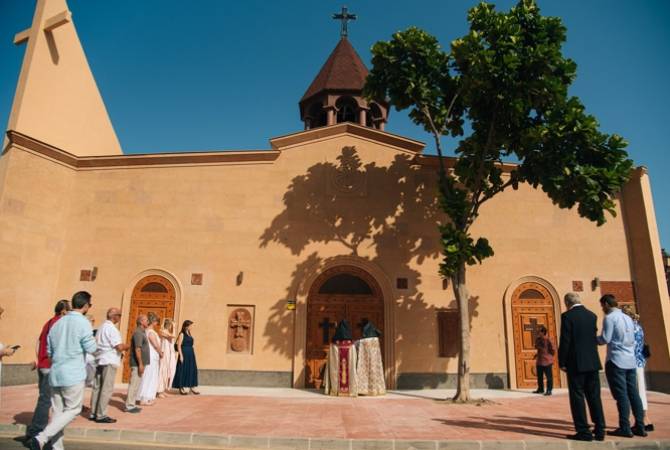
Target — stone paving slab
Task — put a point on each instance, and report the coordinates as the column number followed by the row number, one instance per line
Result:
column 189, row 440
column 287, row 422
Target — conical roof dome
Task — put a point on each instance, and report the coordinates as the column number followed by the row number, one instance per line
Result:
column 344, row 70
column 336, row 94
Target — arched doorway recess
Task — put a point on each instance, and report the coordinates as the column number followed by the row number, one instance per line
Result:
column 342, row 292
column 152, row 293
column 532, row 306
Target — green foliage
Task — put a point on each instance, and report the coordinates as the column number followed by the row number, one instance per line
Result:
column 508, row 79
column 459, row 247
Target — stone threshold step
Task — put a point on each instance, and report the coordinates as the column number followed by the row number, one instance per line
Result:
column 288, row 443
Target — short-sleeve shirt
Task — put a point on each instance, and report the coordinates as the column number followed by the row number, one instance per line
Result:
column 43, row 360
column 107, row 338
column 139, row 340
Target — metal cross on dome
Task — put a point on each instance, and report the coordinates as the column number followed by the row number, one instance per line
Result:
column 344, row 17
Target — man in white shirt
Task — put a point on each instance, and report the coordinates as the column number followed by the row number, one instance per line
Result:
column 110, row 347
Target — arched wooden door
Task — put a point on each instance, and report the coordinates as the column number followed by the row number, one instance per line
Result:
column 343, row 292
column 532, row 306
column 153, row 293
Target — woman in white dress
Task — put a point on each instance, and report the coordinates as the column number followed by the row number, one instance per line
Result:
column 168, row 362
column 149, row 383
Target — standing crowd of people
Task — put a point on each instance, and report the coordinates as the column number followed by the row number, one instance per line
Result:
column 624, row 367
column 71, row 356
column 161, row 360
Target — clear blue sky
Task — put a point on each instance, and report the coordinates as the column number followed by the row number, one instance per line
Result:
column 212, row 74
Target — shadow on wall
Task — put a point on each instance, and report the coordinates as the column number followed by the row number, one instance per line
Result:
column 385, row 215
column 494, row 381
column 409, row 379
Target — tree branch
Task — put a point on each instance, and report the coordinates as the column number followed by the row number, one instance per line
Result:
column 436, row 133
column 489, row 196
column 477, row 191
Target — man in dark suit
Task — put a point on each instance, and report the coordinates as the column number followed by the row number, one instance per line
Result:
column 578, row 356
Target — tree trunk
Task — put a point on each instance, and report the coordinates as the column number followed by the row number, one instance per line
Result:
column 461, row 293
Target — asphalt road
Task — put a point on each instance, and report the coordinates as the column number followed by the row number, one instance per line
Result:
column 8, row 443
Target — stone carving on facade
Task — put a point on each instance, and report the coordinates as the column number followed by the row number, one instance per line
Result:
column 240, row 330
column 348, row 177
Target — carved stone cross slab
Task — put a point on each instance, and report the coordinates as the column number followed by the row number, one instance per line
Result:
column 239, row 330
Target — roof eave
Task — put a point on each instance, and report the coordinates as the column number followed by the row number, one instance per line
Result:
column 290, row 140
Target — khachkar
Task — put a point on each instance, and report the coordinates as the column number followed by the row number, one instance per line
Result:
column 240, row 331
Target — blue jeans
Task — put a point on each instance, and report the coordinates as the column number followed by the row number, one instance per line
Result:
column 41, row 414
column 547, row 372
column 623, row 384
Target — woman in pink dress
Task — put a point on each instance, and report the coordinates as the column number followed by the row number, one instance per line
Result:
column 168, row 362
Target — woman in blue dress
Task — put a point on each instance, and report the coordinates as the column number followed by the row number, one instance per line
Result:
column 186, row 375
column 641, row 362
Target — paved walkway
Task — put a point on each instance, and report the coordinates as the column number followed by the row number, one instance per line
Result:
column 404, row 415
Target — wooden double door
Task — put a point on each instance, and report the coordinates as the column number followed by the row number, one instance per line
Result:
column 532, row 307
column 344, row 293
column 155, row 294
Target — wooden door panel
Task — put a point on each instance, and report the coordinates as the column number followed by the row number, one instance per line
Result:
column 321, row 325
column 529, row 323
column 151, row 294
column 348, row 293
column 331, row 310
column 359, row 314
column 532, row 307
column 161, row 308
column 322, row 320
column 530, row 372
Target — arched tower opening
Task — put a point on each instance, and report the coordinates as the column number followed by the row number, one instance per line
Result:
column 347, row 110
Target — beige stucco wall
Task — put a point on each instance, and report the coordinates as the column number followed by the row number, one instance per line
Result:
column 280, row 223
column 34, row 207
column 647, row 263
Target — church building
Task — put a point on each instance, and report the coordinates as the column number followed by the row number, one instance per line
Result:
column 265, row 251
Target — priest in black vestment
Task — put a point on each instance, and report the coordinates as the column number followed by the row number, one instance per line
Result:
column 369, row 366
column 341, row 379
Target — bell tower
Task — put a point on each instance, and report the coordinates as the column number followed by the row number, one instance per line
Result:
column 336, row 94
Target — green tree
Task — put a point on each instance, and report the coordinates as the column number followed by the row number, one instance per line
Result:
column 505, row 83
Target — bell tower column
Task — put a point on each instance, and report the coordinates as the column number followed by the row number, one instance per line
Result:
column 331, row 116
column 362, row 117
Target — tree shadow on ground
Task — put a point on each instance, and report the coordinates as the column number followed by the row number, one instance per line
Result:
column 386, row 215
column 508, row 425
column 543, row 420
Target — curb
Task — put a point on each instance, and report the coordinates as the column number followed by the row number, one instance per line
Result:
column 288, row 443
